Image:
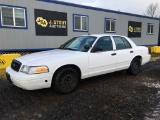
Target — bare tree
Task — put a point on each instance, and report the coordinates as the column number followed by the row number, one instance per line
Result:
column 153, row 10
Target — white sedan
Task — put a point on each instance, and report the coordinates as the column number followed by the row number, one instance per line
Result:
column 79, row 58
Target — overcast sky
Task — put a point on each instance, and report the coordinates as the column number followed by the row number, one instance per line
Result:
column 130, row 6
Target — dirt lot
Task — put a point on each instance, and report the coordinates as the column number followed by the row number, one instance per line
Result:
column 115, row 96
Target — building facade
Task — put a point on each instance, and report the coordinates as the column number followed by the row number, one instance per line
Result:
column 43, row 24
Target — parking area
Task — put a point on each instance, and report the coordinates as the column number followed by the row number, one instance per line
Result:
column 115, row 96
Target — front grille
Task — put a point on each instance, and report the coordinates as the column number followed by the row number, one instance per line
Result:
column 15, row 65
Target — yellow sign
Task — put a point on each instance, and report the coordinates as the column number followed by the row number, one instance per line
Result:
column 2, row 62
column 52, row 23
column 134, row 29
column 41, row 21
column 6, row 60
column 130, row 28
column 58, row 24
column 137, row 29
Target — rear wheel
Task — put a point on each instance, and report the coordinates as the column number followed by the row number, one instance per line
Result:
column 135, row 66
column 65, row 80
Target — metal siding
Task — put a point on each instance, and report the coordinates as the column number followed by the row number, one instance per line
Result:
column 26, row 38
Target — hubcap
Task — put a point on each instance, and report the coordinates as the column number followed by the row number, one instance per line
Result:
column 67, row 81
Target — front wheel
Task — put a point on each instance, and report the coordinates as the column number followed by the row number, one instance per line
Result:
column 65, row 80
column 135, row 66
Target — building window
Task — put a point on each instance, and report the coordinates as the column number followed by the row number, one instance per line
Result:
column 80, row 23
column 13, row 17
column 110, row 25
column 150, row 28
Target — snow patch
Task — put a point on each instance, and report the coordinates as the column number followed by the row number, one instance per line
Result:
column 153, row 85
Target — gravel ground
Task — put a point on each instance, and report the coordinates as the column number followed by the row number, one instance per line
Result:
column 115, row 96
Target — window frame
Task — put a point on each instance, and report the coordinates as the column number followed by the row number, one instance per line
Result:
column 150, row 24
column 81, row 16
column 14, row 21
column 105, row 25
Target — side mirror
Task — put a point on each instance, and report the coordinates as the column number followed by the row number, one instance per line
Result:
column 97, row 49
column 87, row 47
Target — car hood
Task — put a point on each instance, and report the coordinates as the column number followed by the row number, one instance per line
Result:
column 56, row 54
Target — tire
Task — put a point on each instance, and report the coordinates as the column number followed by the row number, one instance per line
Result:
column 65, row 80
column 135, row 67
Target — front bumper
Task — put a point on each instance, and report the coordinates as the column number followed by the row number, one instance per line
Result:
column 29, row 82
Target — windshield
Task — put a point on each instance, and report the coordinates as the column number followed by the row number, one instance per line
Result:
column 79, row 43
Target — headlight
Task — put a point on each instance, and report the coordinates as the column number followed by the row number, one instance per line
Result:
column 34, row 70
column 25, row 69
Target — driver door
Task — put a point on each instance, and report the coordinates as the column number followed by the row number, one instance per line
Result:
column 102, row 61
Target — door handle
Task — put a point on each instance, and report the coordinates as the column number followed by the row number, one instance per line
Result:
column 131, row 51
column 113, row 54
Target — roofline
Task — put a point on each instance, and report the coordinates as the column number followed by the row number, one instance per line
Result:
column 96, row 9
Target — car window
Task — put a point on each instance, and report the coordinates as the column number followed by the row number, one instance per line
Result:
column 121, row 43
column 68, row 42
column 127, row 44
column 104, row 42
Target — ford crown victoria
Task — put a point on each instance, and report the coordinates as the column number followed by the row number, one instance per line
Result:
column 79, row 58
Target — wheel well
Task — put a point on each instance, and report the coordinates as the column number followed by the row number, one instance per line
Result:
column 73, row 66
column 139, row 57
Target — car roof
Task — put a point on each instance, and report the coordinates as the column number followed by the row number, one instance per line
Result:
column 100, row 35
